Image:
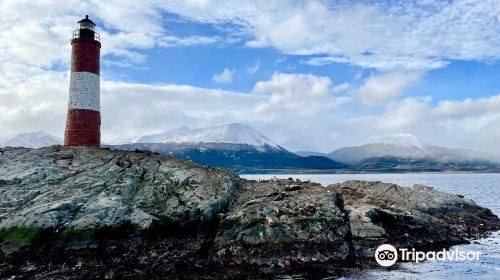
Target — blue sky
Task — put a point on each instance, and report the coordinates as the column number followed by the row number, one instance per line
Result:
column 314, row 73
column 196, row 64
column 460, row 80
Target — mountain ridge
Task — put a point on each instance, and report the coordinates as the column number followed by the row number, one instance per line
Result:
column 242, row 158
column 249, row 151
column 401, row 140
column 408, row 153
column 401, row 146
column 232, row 133
column 37, row 139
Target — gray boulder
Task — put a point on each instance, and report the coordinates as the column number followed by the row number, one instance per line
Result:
column 95, row 213
column 98, row 212
column 84, row 188
column 283, row 222
column 416, row 217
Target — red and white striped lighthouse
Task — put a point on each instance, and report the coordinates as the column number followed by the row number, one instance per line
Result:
column 83, row 124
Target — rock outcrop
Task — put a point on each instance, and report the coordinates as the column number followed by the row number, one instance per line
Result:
column 416, row 217
column 84, row 188
column 271, row 219
column 106, row 210
column 96, row 213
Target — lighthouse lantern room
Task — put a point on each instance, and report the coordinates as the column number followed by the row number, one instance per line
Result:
column 84, row 119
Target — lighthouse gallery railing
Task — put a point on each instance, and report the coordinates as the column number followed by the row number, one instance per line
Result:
column 76, row 35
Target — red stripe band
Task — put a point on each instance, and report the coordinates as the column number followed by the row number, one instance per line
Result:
column 85, row 55
column 83, row 128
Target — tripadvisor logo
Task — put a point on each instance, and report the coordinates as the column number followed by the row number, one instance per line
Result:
column 387, row 255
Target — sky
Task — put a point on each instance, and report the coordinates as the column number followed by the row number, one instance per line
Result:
column 315, row 75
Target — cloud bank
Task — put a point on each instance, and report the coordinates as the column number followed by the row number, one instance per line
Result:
column 398, row 43
column 375, row 34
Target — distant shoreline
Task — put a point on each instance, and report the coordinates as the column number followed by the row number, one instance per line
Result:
column 336, row 172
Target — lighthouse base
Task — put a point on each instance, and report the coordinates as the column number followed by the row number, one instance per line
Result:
column 83, row 128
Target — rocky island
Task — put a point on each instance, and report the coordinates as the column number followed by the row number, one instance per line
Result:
column 95, row 213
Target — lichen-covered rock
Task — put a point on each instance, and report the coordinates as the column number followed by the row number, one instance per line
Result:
column 98, row 211
column 418, row 217
column 283, row 222
column 94, row 213
column 84, row 188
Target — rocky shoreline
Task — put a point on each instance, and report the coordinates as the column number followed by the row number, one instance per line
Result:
column 95, row 213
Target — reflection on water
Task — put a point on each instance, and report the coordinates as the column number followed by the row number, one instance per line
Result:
column 484, row 189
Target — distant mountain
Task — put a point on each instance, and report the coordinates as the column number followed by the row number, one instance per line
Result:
column 401, row 146
column 396, row 145
column 32, row 140
column 406, row 152
column 309, row 153
column 423, row 164
column 241, row 158
column 160, row 137
column 295, row 146
column 405, row 140
column 234, row 133
column 235, row 146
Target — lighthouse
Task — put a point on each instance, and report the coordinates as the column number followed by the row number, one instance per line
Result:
column 83, row 123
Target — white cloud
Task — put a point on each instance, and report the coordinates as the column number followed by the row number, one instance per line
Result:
column 225, row 77
column 37, row 33
column 131, row 110
column 287, row 106
column 299, row 94
column 470, row 123
column 379, row 89
column 174, row 41
column 411, row 111
column 127, row 110
column 253, row 69
column 37, row 103
column 298, row 104
column 341, row 87
column 376, row 34
column 312, row 109
column 40, row 103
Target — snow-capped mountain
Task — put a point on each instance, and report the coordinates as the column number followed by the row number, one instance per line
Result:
column 401, row 140
column 160, row 137
column 401, row 146
column 32, row 140
column 234, row 133
column 236, row 146
column 296, row 146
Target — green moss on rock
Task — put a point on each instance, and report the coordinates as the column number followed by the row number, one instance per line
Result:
column 73, row 234
column 20, row 236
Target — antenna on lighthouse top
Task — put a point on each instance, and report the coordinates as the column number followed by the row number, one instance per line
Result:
column 86, row 20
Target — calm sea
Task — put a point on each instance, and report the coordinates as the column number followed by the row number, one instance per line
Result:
column 484, row 189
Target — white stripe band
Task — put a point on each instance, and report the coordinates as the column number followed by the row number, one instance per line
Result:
column 84, row 91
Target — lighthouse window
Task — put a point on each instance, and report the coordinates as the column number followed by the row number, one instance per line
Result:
column 86, row 25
